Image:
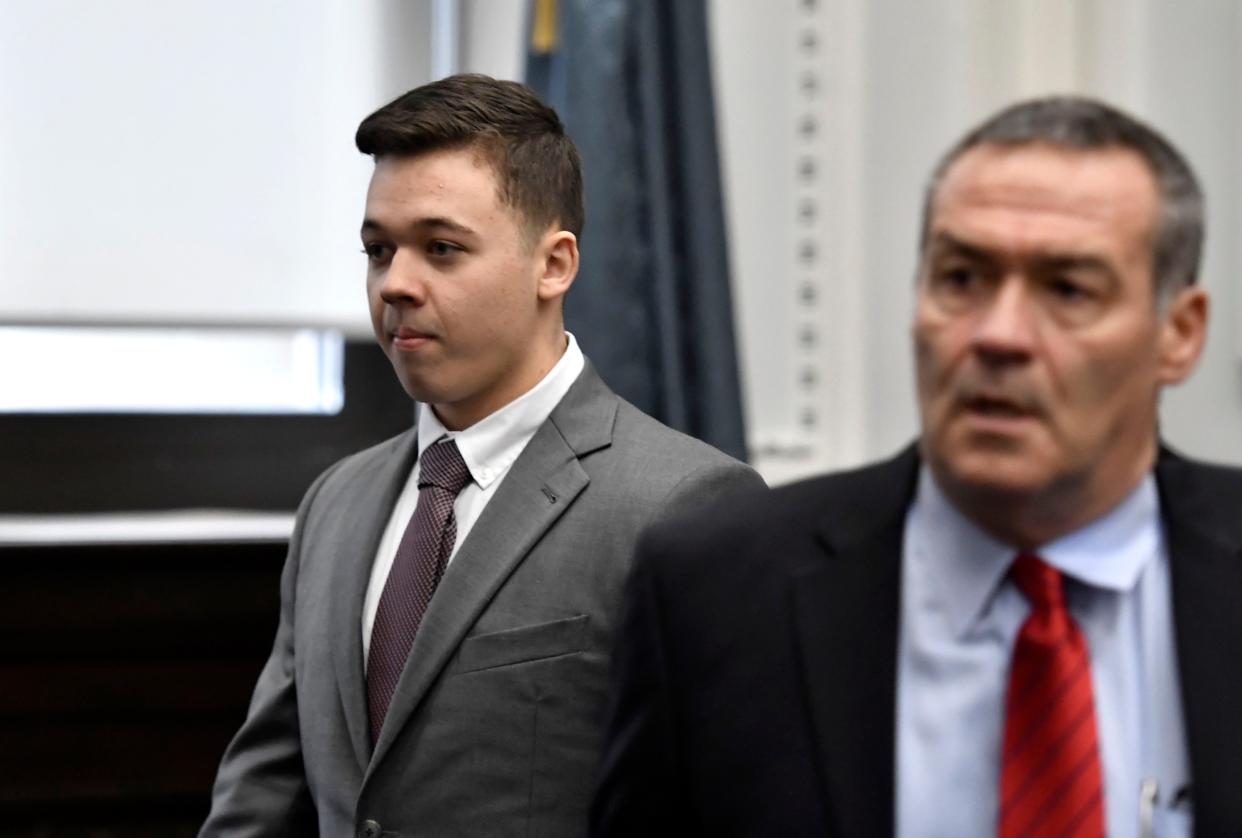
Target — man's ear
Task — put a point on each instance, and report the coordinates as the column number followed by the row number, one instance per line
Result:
column 1182, row 334
column 559, row 254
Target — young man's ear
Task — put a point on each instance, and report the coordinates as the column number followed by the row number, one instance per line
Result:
column 559, row 250
column 1182, row 334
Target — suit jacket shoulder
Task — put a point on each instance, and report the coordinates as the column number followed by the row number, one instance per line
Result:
column 636, row 463
column 390, row 459
column 644, row 456
column 1206, row 497
column 831, row 511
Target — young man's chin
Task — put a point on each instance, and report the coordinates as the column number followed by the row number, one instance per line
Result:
column 418, row 388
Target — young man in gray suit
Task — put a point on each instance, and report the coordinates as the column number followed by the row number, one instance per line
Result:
column 516, row 501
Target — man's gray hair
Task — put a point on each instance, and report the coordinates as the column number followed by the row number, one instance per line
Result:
column 1083, row 124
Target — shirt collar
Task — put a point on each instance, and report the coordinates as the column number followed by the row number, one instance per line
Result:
column 967, row 563
column 490, row 445
column 1110, row 552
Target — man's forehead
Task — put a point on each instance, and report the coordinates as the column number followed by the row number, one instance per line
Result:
column 1110, row 188
column 436, row 163
column 452, row 182
column 1082, row 181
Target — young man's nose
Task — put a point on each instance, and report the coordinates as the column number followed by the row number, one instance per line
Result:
column 404, row 280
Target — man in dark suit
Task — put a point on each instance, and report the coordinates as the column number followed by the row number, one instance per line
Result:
column 450, row 595
column 1027, row 623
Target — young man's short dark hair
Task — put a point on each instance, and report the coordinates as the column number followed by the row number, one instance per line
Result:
column 538, row 169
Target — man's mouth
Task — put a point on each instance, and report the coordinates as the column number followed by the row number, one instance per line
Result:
column 998, row 407
column 405, row 338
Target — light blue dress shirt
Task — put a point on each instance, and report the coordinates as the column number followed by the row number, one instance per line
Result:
column 960, row 615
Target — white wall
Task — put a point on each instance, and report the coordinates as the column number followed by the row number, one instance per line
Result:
column 493, row 38
column 897, row 83
column 192, row 161
column 1192, row 86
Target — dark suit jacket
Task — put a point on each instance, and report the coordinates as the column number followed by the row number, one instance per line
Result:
column 495, row 724
column 755, row 684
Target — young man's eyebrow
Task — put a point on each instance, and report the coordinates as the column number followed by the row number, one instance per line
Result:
column 440, row 223
column 434, row 223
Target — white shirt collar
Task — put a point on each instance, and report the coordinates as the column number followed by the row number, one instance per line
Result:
column 490, row 445
column 1110, row 552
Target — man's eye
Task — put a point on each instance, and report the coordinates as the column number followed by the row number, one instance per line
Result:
column 960, row 278
column 1068, row 290
column 375, row 251
column 439, row 248
column 959, row 286
column 1074, row 300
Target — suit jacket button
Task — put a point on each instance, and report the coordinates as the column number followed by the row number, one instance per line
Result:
column 369, row 829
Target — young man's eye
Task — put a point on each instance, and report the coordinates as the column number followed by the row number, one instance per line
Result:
column 441, row 248
column 375, row 251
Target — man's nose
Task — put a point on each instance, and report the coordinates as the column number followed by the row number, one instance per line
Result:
column 1007, row 326
column 404, row 281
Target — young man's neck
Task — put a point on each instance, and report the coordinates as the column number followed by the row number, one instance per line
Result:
column 458, row 416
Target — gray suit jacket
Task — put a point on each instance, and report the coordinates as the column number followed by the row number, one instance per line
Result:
column 495, row 725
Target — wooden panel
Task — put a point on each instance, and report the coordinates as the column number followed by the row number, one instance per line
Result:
column 124, row 672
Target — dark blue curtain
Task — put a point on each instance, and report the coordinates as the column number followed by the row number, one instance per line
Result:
column 631, row 79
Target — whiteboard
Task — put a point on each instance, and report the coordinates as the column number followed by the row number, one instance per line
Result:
column 192, row 162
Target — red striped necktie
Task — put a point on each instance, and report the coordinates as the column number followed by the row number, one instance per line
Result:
column 1051, row 779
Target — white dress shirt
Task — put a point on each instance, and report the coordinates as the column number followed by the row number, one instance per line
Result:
column 489, row 447
column 960, row 615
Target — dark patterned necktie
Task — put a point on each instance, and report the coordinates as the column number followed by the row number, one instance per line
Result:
column 416, row 570
column 1051, row 780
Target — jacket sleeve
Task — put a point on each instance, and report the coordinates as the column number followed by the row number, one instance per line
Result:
column 260, row 788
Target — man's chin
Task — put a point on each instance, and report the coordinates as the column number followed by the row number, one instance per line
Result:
column 418, row 388
column 416, row 380
column 999, row 470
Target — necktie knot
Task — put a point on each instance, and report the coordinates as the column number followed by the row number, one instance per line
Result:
column 1039, row 581
column 442, row 466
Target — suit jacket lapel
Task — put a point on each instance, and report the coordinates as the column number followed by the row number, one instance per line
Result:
column 1205, row 558
column 846, row 608
column 542, row 483
column 362, row 525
